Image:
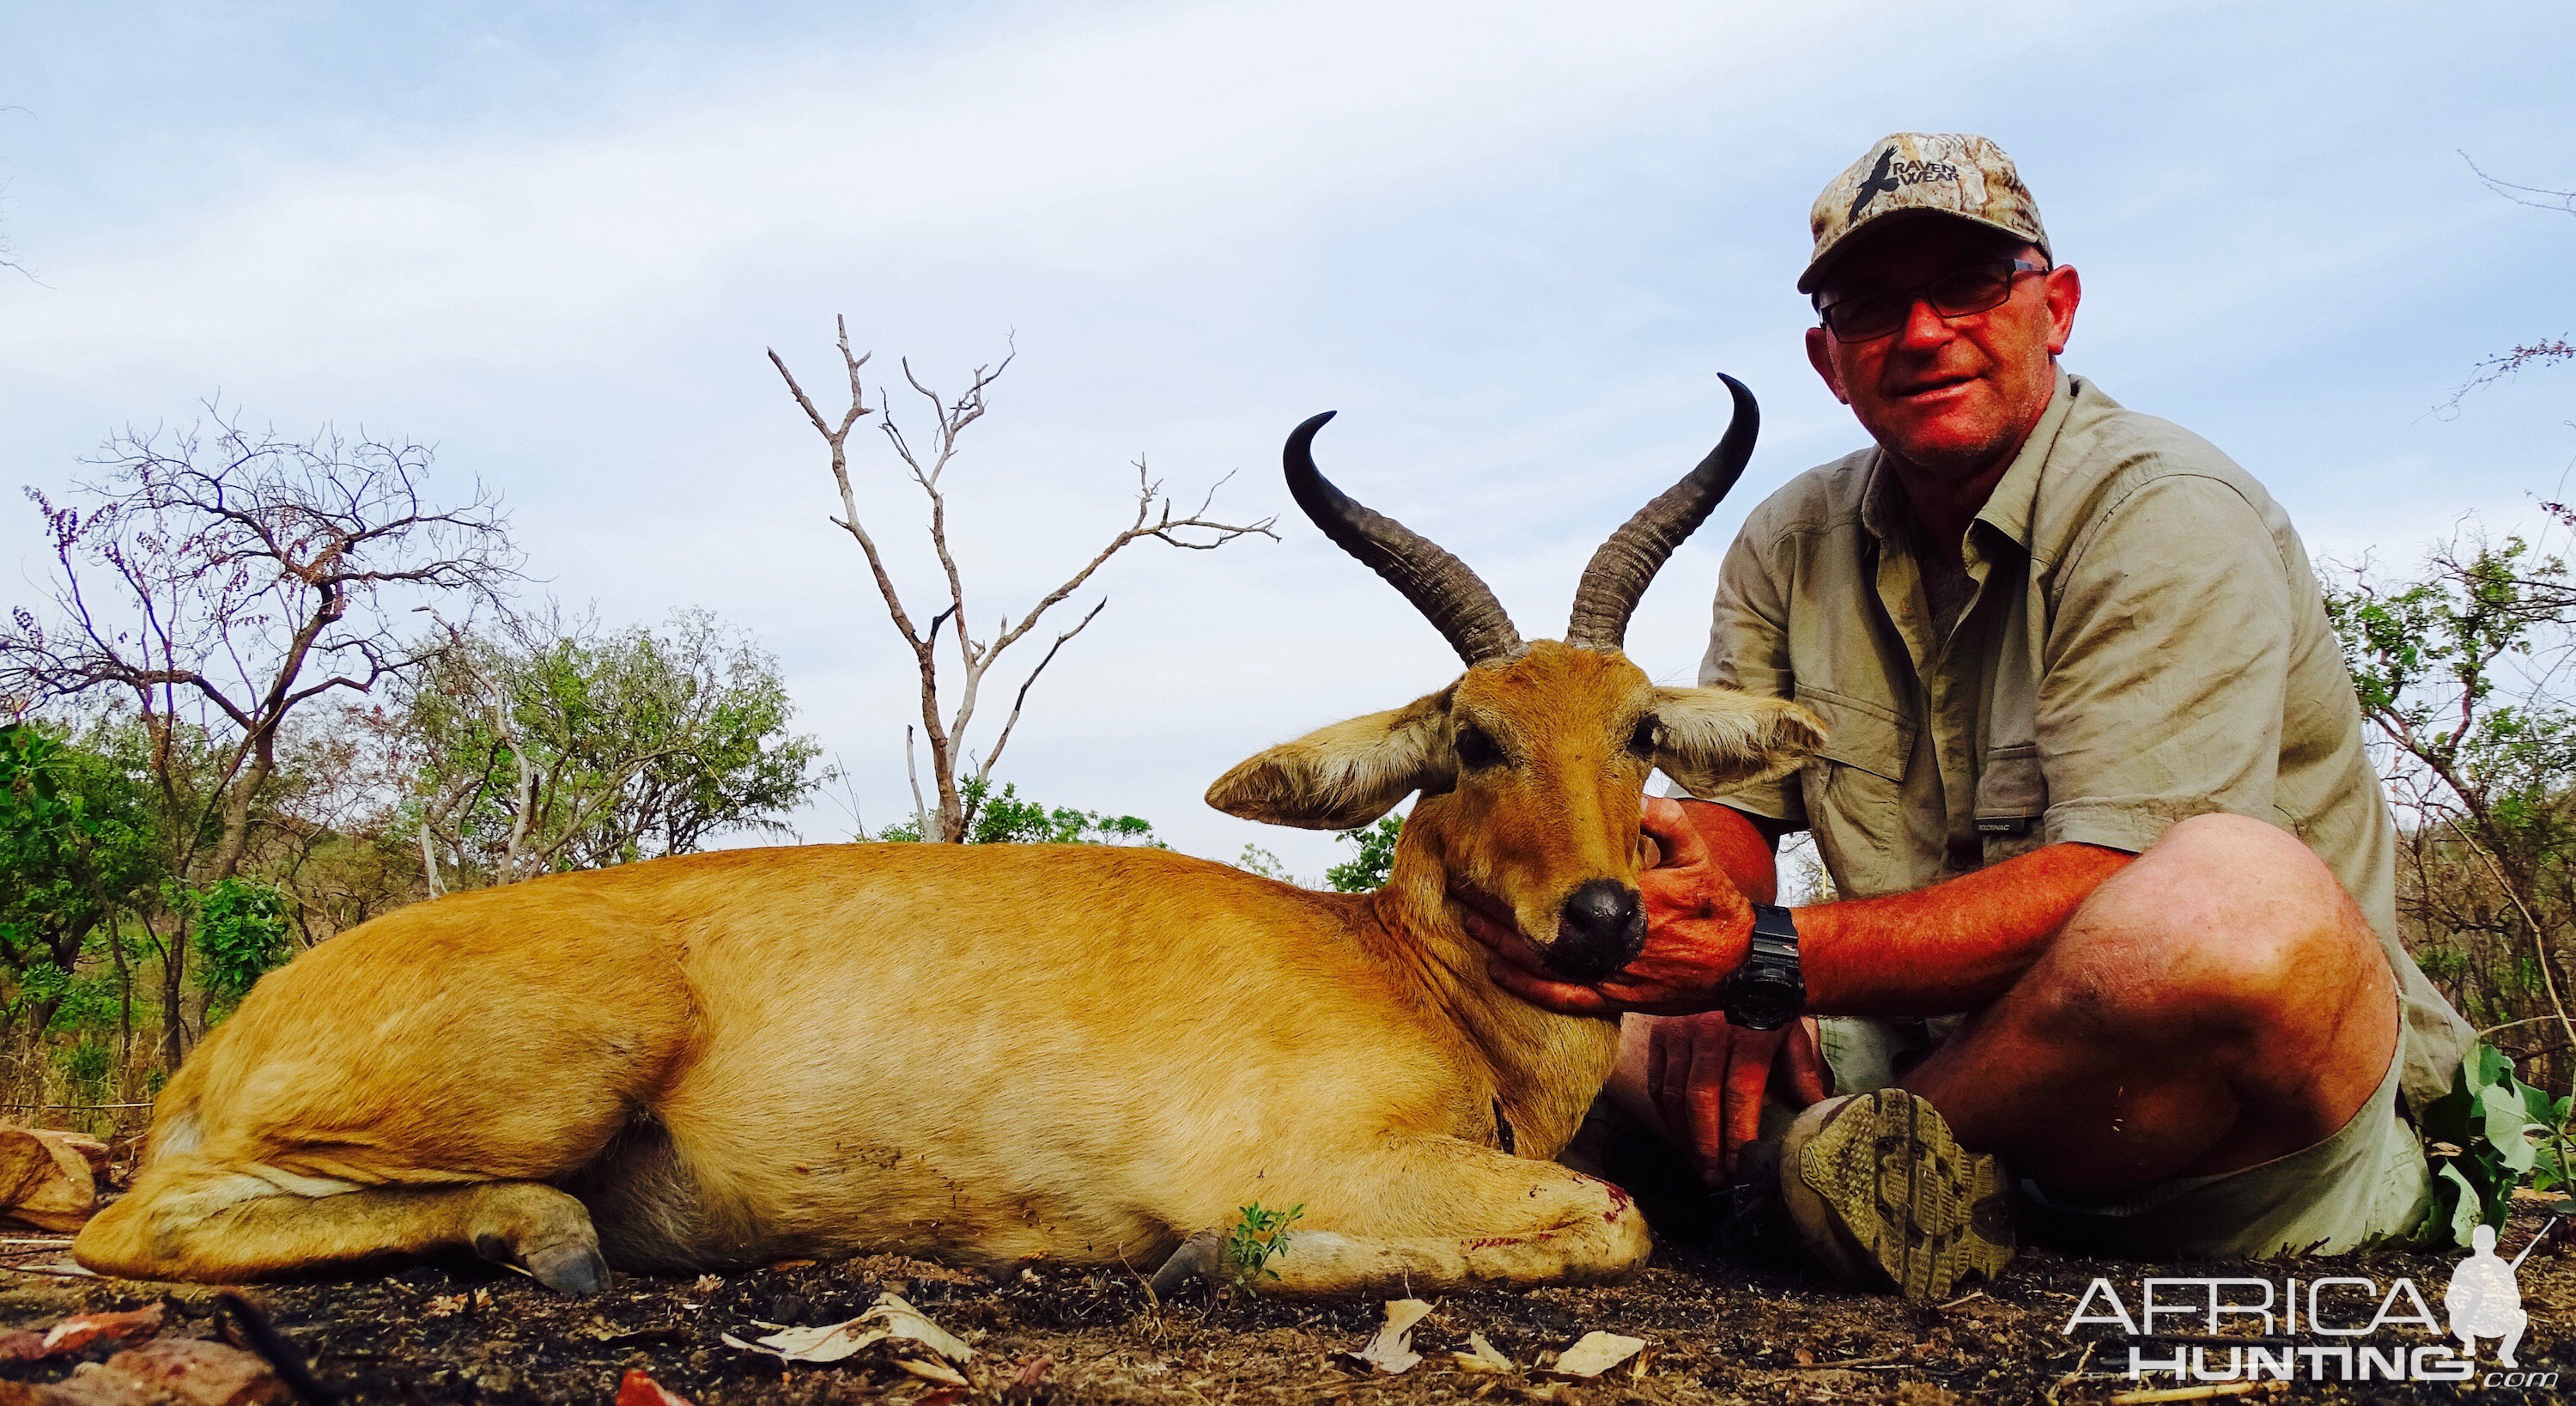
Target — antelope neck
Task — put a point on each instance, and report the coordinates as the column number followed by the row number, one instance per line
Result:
column 1521, row 1046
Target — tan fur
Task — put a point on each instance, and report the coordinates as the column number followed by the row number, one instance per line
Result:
column 1713, row 738
column 1345, row 775
column 989, row 1053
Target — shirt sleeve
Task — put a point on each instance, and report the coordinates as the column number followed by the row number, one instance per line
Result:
column 2164, row 667
column 1748, row 650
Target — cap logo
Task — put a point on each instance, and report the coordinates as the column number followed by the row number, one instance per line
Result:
column 1870, row 188
column 1891, row 175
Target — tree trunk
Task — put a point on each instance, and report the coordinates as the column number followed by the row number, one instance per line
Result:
column 125, row 1000
column 236, row 837
column 174, row 1020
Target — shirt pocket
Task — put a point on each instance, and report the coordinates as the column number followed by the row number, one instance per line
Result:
column 2012, row 797
column 1854, row 789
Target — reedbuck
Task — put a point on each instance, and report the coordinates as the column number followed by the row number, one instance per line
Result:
column 1008, row 1052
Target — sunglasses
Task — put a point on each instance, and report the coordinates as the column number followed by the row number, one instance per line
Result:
column 1958, row 293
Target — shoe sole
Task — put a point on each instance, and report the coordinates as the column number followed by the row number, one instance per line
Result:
column 1927, row 1210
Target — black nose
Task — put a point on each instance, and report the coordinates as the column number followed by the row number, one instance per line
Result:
column 1598, row 932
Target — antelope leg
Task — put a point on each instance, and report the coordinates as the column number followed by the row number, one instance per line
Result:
column 185, row 1219
column 1428, row 1214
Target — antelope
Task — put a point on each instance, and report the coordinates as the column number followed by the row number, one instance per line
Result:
column 1005, row 1053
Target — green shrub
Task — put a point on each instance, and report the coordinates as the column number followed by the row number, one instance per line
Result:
column 1002, row 818
column 241, row 934
column 2488, row 1135
column 1367, row 871
column 85, row 1066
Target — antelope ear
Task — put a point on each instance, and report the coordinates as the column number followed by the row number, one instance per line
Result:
column 1711, row 738
column 1344, row 776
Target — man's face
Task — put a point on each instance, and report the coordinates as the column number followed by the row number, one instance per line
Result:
column 1949, row 395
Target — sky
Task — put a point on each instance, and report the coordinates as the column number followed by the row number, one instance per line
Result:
column 1510, row 243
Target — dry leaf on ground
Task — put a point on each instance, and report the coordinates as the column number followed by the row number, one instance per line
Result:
column 1481, row 1356
column 828, row 1343
column 1595, row 1353
column 891, row 1317
column 1391, row 1351
column 931, row 1371
column 902, row 1320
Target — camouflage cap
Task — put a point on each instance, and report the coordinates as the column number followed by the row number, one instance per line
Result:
column 1922, row 173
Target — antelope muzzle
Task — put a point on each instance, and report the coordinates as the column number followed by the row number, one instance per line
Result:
column 1601, row 928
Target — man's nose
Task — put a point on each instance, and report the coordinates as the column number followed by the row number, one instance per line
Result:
column 1923, row 327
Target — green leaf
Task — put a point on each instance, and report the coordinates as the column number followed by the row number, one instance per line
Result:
column 2484, row 1067
column 2446, row 1119
column 2464, row 1210
column 2505, row 1130
column 2538, row 1107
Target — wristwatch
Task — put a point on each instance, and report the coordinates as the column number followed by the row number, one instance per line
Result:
column 1767, row 992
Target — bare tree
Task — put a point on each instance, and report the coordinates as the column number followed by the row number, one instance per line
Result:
column 221, row 578
column 944, row 730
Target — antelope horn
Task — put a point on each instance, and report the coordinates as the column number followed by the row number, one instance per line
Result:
column 1461, row 607
column 1627, row 563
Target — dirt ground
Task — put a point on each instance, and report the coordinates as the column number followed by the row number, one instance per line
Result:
column 1718, row 1327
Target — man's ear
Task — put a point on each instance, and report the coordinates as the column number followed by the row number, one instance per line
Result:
column 1346, row 775
column 1820, row 355
column 1711, row 738
column 2065, row 290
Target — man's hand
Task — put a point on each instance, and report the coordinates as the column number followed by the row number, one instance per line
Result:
column 1707, row 1079
column 1699, row 927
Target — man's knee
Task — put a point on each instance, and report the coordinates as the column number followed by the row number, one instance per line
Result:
column 2227, row 920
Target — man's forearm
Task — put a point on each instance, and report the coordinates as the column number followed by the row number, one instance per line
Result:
column 1740, row 846
column 1951, row 947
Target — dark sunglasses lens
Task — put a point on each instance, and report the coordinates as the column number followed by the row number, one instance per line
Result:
column 1972, row 289
column 1860, row 319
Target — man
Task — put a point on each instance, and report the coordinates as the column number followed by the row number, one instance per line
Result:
column 2116, row 891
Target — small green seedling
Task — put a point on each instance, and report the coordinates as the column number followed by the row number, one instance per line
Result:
column 1257, row 1238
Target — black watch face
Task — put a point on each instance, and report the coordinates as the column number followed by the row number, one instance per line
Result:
column 1767, row 1001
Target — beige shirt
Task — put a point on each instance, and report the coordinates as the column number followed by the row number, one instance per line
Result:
column 2144, row 641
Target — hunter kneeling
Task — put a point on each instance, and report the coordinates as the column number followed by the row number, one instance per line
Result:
column 2117, row 934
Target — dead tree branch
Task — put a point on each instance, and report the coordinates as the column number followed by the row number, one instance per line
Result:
column 945, row 718
column 2541, row 351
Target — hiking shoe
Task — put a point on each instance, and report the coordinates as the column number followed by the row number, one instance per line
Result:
column 1883, row 1194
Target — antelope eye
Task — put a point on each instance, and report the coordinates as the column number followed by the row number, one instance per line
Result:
column 1476, row 750
column 1642, row 741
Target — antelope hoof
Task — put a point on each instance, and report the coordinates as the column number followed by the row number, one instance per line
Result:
column 1201, row 1258
column 577, row 1270
column 565, row 1266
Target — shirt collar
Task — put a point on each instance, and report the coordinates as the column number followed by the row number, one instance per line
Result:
column 2007, row 509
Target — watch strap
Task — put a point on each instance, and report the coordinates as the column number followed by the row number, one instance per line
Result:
column 1769, row 989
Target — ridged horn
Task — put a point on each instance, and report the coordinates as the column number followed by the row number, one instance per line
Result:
column 1459, row 605
column 1627, row 563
